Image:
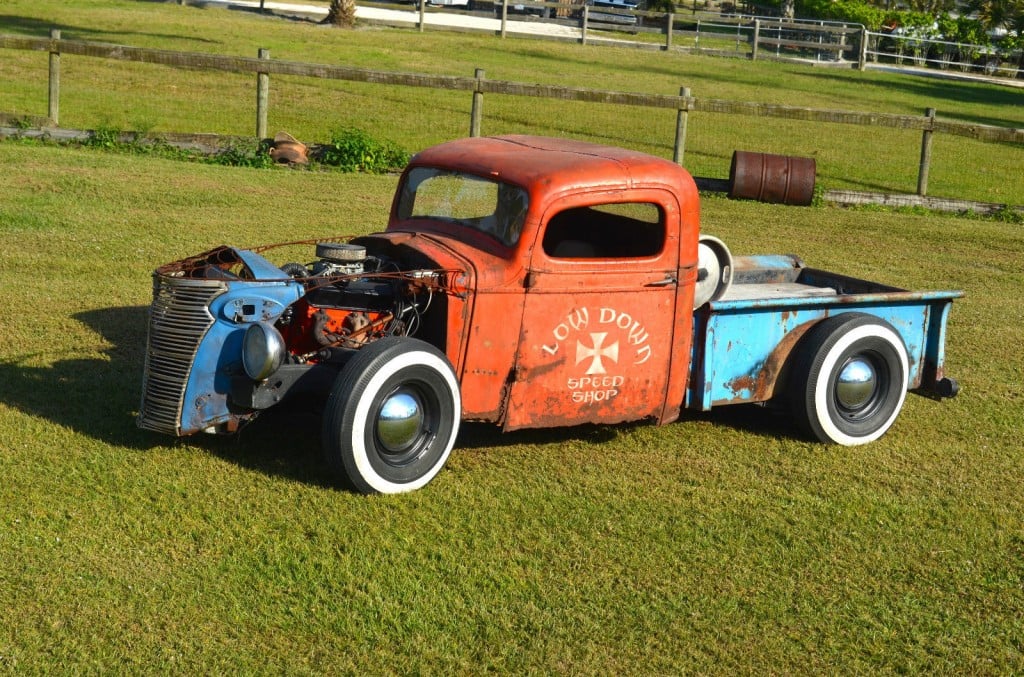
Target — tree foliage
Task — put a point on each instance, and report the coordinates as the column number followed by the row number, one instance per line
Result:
column 963, row 29
column 844, row 10
column 991, row 14
column 1007, row 14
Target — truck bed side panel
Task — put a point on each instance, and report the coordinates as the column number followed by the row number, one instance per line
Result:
column 743, row 342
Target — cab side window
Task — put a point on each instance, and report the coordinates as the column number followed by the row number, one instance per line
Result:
column 616, row 230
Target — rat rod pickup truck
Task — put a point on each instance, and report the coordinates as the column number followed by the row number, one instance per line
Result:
column 528, row 282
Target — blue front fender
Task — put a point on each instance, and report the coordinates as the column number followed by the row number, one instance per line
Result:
column 218, row 359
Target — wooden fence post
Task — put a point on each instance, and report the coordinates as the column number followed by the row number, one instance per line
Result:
column 757, row 37
column 504, row 17
column 478, row 104
column 926, row 152
column 670, row 22
column 53, row 107
column 862, row 56
column 586, row 18
column 681, row 118
column 423, row 11
column 262, row 97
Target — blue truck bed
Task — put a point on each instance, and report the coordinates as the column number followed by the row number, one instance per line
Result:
column 743, row 340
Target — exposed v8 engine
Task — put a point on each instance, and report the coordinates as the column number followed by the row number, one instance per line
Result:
column 270, row 331
column 351, row 298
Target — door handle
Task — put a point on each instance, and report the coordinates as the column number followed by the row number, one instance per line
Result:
column 669, row 280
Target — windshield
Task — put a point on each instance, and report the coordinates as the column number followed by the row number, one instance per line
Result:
column 492, row 207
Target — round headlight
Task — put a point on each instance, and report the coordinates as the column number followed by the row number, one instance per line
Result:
column 262, row 351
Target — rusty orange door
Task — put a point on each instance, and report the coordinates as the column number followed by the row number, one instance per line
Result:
column 596, row 338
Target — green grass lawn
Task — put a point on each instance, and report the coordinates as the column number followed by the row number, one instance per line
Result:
column 101, row 93
column 720, row 543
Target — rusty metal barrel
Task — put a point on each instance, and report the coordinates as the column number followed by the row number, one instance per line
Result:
column 772, row 178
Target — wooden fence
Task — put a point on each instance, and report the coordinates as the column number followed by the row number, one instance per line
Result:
column 752, row 37
column 703, row 31
column 696, row 31
column 684, row 103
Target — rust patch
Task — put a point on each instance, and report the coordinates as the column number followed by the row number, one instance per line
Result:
column 763, row 387
column 522, row 374
column 743, row 383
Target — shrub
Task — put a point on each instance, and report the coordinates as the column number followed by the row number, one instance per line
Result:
column 103, row 137
column 243, row 154
column 353, row 150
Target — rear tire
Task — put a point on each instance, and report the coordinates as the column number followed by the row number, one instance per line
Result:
column 849, row 380
column 392, row 416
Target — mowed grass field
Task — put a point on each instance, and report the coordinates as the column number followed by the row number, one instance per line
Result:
column 145, row 97
column 721, row 543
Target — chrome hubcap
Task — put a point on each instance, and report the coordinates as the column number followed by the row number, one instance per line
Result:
column 400, row 421
column 856, row 384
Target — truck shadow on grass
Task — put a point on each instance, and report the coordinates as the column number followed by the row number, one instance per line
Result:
column 285, row 441
column 98, row 396
column 750, row 419
column 94, row 395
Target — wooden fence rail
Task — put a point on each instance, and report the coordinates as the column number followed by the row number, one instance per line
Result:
column 819, row 37
column 684, row 103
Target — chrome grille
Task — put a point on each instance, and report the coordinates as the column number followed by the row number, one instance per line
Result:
column 178, row 320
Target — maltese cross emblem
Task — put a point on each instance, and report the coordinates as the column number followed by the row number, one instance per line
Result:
column 596, row 352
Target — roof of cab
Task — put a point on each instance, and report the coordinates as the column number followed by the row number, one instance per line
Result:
column 551, row 165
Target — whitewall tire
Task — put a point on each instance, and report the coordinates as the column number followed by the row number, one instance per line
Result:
column 392, row 416
column 849, row 379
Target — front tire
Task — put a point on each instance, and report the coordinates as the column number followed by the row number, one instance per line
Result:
column 392, row 416
column 849, row 380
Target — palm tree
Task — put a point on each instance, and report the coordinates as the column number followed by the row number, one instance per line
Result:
column 342, row 13
column 999, row 13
